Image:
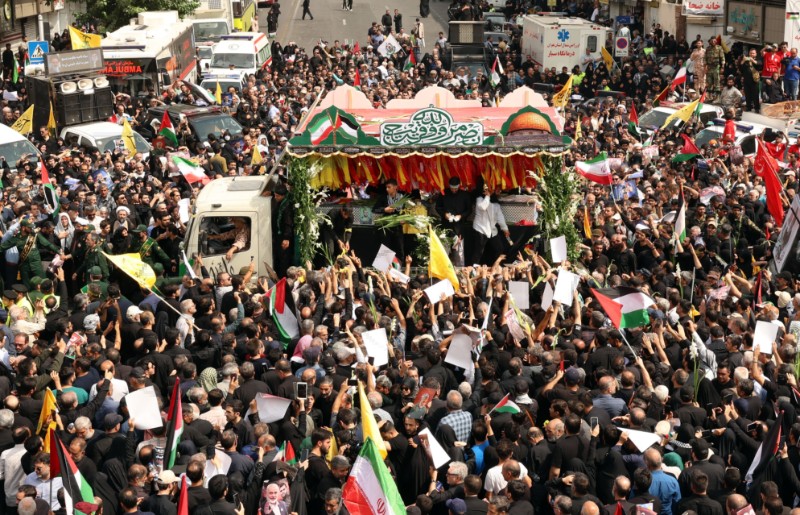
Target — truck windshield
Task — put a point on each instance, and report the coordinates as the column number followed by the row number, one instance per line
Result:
column 14, row 151
column 210, row 30
column 205, row 125
column 115, row 142
column 246, row 61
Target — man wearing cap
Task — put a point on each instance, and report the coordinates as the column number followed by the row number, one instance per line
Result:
column 160, row 503
column 147, row 247
column 96, row 277
column 93, row 261
column 27, row 242
column 715, row 61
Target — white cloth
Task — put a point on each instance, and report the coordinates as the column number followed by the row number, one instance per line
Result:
column 494, row 478
column 488, row 216
column 184, row 326
column 215, row 416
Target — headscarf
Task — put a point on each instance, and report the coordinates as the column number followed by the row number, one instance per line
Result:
column 208, row 379
column 66, row 243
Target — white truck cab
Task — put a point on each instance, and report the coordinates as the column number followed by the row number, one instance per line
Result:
column 216, row 207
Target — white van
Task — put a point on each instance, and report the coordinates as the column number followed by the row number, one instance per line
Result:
column 236, row 79
column 105, row 136
column 746, row 134
column 247, row 52
column 15, row 146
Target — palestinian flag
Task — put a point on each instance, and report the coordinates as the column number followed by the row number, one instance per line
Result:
column 321, row 128
column 497, row 71
column 411, row 62
column 174, row 426
column 767, row 451
column 183, row 498
column 700, row 105
column 167, row 130
column 349, row 127
column 192, row 172
column 370, row 489
column 680, row 78
column 285, row 320
column 357, row 80
column 596, row 170
column 287, row 453
column 626, row 307
column 662, row 96
column 76, row 487
column 506, row 405
column 49, row 191
column 680, row 220
column 688, row 151
column 633, row 123
column 633, row 116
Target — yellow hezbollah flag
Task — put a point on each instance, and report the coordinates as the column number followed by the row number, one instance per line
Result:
column 333, row 450
column 81, row 40
column 49, row 407
column 51, row 122
column 439, row 265
column 127, row 137
column 24, row 123
column 683, row 114
column 368, row 423
column 587, row 225
column 607, row 58
column 561, row 99
column 218, row 94
column 256, row 159
column 137, row 269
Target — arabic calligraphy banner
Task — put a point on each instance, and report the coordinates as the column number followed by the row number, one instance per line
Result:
column 704, row 7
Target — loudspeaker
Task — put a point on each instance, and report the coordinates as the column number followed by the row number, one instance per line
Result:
column 68, row 108
column 104, row 103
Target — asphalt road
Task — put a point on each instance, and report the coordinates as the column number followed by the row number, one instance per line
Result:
column 331, row 22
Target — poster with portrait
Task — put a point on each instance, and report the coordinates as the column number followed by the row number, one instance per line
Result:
column 787, row 239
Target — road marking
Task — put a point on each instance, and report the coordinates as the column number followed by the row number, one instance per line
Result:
column 344, row 22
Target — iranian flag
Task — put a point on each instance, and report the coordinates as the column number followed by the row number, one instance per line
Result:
column 596, row 170
column 370, row 489
column 497, row 71
column 688, row 151
column 321, row 128
column 680, row 77
column 626, row 307
column 506, row 405
column 192, row 172
column 285, row 320
column 680, row 220
column 76, row 487
column 167, row 130
column 411, row 62
column 174, row 427
column 49, row 191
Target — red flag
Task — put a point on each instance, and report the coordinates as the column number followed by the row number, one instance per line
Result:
column 766, row 167
column 356, row 48
column 357, row 80
column 633, row 116
column 689, row 146
column 183, row 500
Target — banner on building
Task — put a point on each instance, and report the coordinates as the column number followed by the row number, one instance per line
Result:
column 704, row 7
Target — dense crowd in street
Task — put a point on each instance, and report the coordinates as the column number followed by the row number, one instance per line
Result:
column 564, row 410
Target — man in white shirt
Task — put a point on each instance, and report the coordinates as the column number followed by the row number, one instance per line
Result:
column 185, row 323
column 488, row 216
column 11, row 465
column 119, row 388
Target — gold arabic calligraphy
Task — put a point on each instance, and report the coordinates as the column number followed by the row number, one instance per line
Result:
column 431, row 126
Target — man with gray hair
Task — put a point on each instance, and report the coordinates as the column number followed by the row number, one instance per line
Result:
column 249, row 386
column 458, row 419
column 185, row 323
column 27, row 506
column 340, row 469
column 456, row 472
column 376, row 401
column 333, row 502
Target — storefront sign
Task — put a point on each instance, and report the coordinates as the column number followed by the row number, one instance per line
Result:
column 703, row 7
column 431, row 126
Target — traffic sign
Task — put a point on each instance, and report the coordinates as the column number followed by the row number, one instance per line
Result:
column 37, row 50
column 621, row 47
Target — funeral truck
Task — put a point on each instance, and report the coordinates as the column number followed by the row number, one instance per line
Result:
column 553, row 40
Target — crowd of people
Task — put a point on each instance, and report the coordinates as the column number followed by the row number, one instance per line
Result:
column 691, row 377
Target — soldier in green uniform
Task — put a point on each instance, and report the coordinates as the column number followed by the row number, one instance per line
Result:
column 715, row 62
column 161, row 280
column 147, row 248
column 96, row 277
column 27, row 242
column 93, row 258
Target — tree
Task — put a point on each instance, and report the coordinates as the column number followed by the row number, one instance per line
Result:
column 113, row 14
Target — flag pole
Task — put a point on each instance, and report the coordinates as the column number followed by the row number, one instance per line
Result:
column 622, row 333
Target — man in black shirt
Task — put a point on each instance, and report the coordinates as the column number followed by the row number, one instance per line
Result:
column 698, row 501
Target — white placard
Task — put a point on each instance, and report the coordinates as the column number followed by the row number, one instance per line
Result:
column 765, row 335
column 558, row 249
column 565, row 287
column 434, row 293
column 520, row 291
column 377, row 343
column 183, row 209
column 271, row 408
column 439, row 455
column 641, row 439
column 460, row 351
column 399, row 276
column 224, row 465
column 547, row 296
column 143, row 404
column 384, row 258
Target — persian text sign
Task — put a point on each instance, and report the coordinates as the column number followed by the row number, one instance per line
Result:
column 704, row 7
column 431, row 126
